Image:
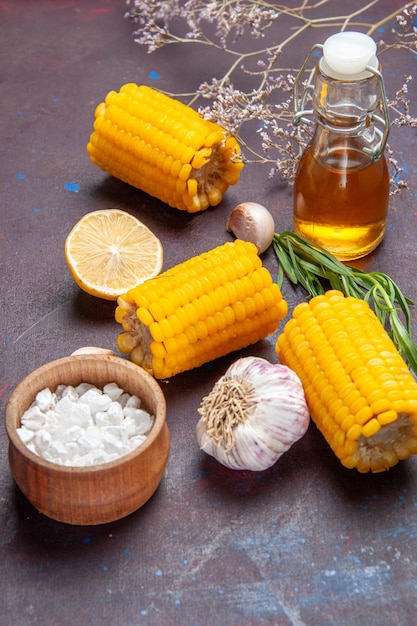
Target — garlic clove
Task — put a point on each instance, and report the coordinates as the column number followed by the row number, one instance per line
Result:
column 91, row 350
column 255, row 412
column 252, row 222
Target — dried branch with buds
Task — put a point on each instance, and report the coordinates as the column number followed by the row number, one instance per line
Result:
column 268, row 101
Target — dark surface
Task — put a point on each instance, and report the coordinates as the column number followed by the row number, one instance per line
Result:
column 306, row 543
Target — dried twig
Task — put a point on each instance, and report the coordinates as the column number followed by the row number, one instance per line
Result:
column 268, row 101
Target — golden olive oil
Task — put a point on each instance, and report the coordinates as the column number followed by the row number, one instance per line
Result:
column 343, row 204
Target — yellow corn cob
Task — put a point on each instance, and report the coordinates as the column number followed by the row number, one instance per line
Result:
column 164, row 148
column 360, row 393
column 199, row 310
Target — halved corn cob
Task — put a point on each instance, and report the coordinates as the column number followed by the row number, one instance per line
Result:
column 360, row 393
column 164, row 148
column 199, row 310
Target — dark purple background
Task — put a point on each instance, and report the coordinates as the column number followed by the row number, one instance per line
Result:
column 306, row 543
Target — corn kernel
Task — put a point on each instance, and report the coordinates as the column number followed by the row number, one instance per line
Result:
column 387, row 417
column 371, row 428
column 380, row 405
column 354, row 432
column 364, row 414
column 126, row 342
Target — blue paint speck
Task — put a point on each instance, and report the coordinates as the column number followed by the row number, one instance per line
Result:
column 158, row 572
column 36, row 210
column 185, row 561
column 86, row 540
column 21, row 176
column 72, row 187
column 221, row 592
column 55, row 99
column 126, row 550
column 154, row 75
column 105, row 568
column 144, row 612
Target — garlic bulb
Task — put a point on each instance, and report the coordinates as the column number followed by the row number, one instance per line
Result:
column 252, row 222
column 254, row 413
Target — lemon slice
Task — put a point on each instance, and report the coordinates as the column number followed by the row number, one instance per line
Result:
column 109, row 252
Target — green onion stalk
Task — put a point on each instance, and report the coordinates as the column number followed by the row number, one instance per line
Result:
column 316, row 270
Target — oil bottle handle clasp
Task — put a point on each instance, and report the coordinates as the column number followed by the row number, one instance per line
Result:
column 377, row 151
column 300, row 97
column 303, row 95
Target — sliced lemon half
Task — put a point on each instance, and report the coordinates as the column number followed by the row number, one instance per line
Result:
column 110, row 251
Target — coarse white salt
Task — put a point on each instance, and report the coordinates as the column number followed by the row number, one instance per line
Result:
column 113, row 391
column 133, row 401
column 33, row 419
column 115, row 413
column 123, row 399
column 141, row 418
column 83, row 387
column 44, row 399
column 43, row 439
column 96, row 400
column 25, row 435
column 84, row 426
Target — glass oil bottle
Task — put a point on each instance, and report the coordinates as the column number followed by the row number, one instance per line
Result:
column 341, row 189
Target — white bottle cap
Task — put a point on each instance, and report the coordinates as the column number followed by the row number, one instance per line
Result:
column 346, row 56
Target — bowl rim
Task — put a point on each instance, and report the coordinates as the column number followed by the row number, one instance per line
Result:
column 159, row 415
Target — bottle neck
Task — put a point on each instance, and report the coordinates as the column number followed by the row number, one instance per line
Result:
column 351, row 145
column 344, row 112
column 345, row 103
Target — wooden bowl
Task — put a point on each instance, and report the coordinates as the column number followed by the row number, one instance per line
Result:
column 102, row 493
